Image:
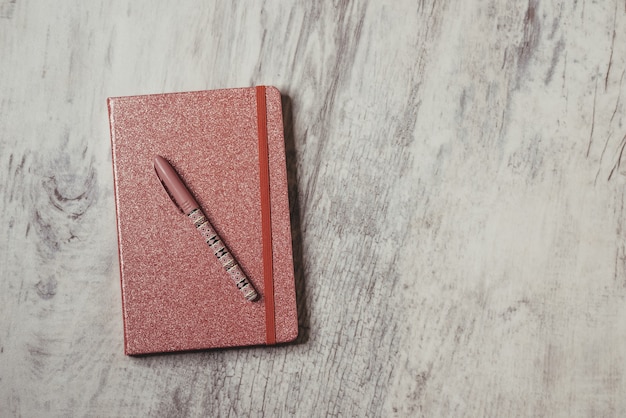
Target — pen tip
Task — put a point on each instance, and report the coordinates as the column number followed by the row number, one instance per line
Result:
column 252, row 296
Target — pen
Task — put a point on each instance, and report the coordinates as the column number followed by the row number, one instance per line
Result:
column 182, row 197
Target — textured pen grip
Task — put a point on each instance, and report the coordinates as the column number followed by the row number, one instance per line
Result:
column 221, row 252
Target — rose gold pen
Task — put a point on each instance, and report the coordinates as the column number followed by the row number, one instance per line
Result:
column 187, row 204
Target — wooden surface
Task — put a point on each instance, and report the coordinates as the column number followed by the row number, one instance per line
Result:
column 457, row 191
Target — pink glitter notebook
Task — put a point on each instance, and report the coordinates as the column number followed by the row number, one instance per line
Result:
column 228, row 148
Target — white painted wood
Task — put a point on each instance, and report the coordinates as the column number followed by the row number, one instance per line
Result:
column 457, row 191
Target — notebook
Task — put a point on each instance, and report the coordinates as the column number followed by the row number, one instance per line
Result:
column 228, row 148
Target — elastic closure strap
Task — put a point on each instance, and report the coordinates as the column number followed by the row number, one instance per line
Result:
column 266, row 218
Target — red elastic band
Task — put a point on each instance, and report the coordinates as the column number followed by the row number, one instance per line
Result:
column 266, row 220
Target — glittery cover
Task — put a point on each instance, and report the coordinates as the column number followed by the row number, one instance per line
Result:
column 175, row 294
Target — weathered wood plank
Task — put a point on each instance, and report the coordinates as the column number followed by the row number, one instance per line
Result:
column 458, row 206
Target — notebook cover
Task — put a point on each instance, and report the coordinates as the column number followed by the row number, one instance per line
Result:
column 175, row 294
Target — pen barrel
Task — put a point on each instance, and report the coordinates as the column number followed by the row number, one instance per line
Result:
column 223, row 255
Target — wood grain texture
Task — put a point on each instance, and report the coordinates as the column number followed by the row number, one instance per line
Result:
column 457, row 194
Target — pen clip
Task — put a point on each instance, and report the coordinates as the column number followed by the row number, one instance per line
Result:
column 171, row 196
